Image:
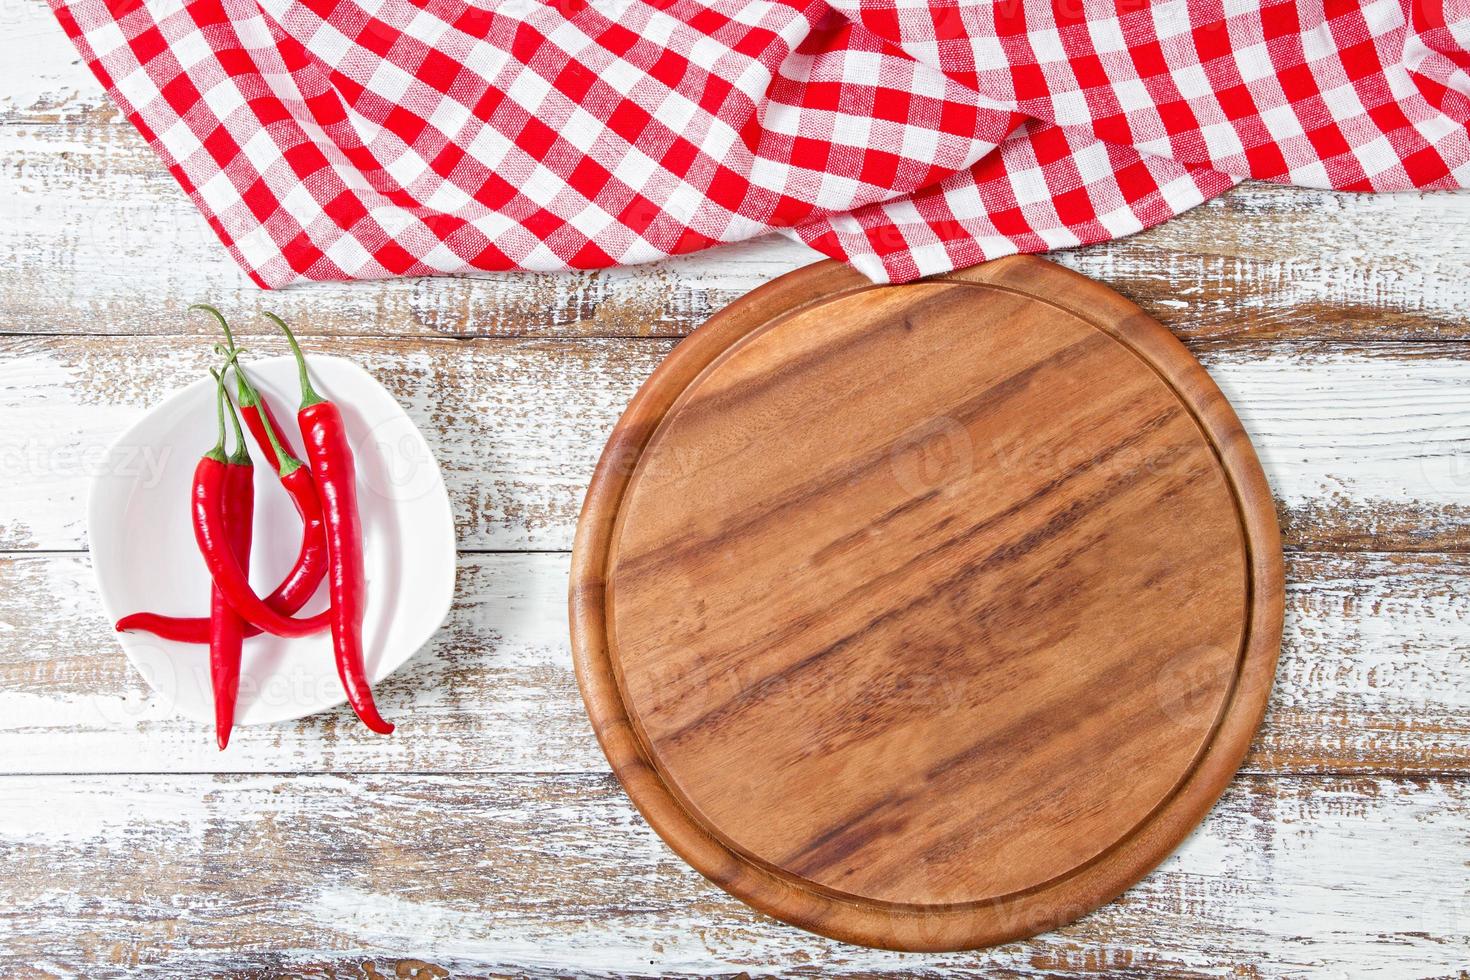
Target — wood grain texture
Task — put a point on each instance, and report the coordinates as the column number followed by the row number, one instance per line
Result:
column 1374, row 677
column 89, row 201
column 510, row 875
column 1365, row 446
column 532, row 875
column 910, row 694
column 1260, row 263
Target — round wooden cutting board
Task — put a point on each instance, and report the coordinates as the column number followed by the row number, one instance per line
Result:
column 927, row 616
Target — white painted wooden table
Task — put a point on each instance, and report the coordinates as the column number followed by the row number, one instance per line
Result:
column 487, row 836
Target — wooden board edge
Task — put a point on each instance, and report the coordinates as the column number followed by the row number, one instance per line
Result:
column 899, row 927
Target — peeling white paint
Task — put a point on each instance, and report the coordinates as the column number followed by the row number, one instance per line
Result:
column 1375, row 673
column 491, row 839
column 550, row 874
column 518, row 425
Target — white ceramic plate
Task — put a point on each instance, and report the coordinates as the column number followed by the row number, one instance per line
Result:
column 145, row 558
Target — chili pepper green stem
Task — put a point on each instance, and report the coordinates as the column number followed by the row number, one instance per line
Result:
column 249, row 396
column 309, row 396
column 206, row 308
column 285, row 462
column 241, row 455
column 218, row 452
column 244, row 395
column 228, row 349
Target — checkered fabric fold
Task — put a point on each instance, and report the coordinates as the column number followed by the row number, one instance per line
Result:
column 352, row 139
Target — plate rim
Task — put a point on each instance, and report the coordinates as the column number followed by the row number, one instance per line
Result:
column 966, row 925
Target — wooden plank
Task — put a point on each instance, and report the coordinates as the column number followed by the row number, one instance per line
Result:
column 1364, row 446
column 1375, row 667
column 84, row 210
column 515, row 425
column 45, row 79
column 556, row 875
column 51, row 84
column 492, row 691
column 1374, row 677
column 84, row 205
column 1261, row 263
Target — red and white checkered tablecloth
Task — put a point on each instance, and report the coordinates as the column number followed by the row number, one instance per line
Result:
column 359, row 139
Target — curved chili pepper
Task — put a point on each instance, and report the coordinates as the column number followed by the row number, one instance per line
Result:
column 235, row 482
column 310, row 567
column 211, row 533
column 327, row 450
column 311, row 560
column 295, row 590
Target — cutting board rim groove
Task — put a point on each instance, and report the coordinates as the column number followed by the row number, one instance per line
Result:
column 905, row 926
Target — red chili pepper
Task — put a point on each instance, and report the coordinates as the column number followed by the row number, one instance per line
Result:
column 327, row 450
column 211, row 531
column 211, row 534
column 233, row 478
column 261, row 421
column 295, row 590
column 301, row 582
